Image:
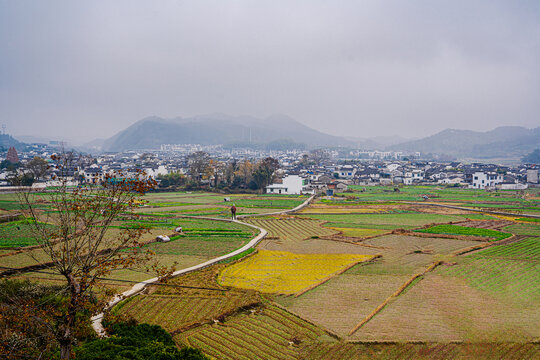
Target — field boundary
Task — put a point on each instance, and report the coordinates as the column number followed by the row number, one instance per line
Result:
column 402, row 288
column 97, row 320
column 474, row 210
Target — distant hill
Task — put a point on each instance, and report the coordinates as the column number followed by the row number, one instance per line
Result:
column 502, row 142
column 6, row 141
column 152, row 132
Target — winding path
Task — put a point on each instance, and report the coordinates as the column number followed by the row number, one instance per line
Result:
column 137, row 288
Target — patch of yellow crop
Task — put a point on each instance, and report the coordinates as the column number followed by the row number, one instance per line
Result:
column 504, row 217
column 333, row 210
column 286, row 273
column 360, row 233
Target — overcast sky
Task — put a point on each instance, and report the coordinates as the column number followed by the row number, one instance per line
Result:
column 87, row 69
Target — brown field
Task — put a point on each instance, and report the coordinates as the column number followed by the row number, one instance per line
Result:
column 352, row 297
column 289, row 228
column 487, row 224
column 442, row 309
column 421, row 351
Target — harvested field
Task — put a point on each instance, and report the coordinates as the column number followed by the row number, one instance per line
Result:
column 286, row 273
column 270, row 334
column 487, row 224
column 421, row 351
column 443, row 309
column 524, row 229
column 318, row 246
column 411, row 252
column 179, row 312
column 352, row 296
column 291, row 228
column 359, row 232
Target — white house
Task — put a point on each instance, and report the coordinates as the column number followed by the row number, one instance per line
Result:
column 532, row 176
column 292, row 185
column 345, row 172
column 482, row 180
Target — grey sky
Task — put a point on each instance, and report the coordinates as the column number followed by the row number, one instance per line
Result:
column 87, row 69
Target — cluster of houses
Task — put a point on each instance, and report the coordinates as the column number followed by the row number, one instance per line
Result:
column 295, row 176
column 332, row 178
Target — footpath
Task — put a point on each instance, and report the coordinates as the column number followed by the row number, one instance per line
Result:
column 97, row 320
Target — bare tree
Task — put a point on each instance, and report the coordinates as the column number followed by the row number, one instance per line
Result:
column 37, row 167
column 199, row 165
column 319, row 156
column 79, row 246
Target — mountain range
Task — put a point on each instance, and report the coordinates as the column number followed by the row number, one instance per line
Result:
column 282, row 131
column 152, row 132
column 501, row 142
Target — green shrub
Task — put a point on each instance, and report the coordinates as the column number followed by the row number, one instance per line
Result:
column 136, row 342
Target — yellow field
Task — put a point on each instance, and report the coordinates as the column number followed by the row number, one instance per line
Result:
column 286, row 273
column 360, row 233
column 340, row 210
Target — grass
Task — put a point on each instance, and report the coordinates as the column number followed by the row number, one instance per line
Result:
column 284, row 272
column 463, row 230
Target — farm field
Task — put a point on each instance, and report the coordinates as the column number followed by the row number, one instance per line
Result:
column 291, row 228
column 444, row 309
column 270, row 333
column 524, row 229
column 386, row 221
column 211, row 204
column 419, row 351
column 493, row 235
column 321, row 272
column 286, row 273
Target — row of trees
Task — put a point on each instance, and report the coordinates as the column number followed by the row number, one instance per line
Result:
column 205, row 171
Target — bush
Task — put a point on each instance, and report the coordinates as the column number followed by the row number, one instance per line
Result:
column 136, row 342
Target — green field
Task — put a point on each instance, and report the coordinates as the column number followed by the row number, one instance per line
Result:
column 510, row 271
column 386, row 221
column 463, row 230
column 524, row 229
column 20, row 233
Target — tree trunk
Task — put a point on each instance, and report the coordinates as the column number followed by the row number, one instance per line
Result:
column 66, row 338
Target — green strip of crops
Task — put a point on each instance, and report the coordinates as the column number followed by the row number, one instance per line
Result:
column 463, row 230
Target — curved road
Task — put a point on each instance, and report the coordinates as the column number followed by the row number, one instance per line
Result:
column 137, row 288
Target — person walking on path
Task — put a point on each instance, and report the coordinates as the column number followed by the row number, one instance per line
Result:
column 233, row 212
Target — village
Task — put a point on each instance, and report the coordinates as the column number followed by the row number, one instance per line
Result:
column 292, row 171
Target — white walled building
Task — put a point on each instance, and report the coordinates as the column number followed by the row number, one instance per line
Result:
column 292, row 185
column 532, row 176
column 482, row 180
